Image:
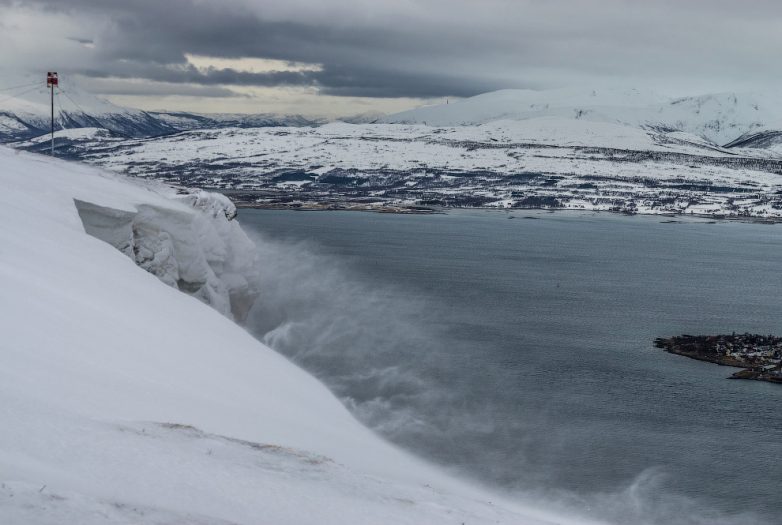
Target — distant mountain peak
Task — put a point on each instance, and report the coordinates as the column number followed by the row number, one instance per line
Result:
column 720, row 118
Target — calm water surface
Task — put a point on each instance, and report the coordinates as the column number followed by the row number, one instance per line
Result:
column 519, row 351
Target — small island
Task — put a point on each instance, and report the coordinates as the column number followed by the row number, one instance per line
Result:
column 759, row 355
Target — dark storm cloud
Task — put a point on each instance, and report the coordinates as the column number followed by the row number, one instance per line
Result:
column 85, row 41
column 426, row 48
column 113, row 86
column 145, row 39
column 189, row 74
column 336, row 80
column 375, row 82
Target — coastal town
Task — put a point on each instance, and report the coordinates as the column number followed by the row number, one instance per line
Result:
column 760, row 356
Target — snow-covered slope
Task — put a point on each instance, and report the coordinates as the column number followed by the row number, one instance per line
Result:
column 126, row 401
column 720, row 118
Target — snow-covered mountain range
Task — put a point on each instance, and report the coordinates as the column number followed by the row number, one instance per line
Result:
column 25, row 113
column 723, row 119
column 720, row 118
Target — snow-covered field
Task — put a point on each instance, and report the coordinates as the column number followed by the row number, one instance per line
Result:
column 550, row 162
column 124, row 400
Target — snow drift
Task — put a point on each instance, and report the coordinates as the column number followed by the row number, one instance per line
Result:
column 126, row 401
column 198, row 253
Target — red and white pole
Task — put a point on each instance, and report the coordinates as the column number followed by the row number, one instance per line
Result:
column 51, row 81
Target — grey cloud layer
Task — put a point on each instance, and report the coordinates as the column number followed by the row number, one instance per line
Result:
column 427, row 48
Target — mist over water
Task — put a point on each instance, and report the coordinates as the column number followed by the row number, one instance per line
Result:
column 518, row 352
column 315, row 310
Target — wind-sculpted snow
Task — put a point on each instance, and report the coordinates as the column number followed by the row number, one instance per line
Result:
column 537, row 163
column 126, row 401
column 200, row 253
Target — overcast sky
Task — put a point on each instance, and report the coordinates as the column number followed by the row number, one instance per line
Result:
column 339, row 57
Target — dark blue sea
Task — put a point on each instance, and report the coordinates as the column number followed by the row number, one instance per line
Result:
column 516, row 349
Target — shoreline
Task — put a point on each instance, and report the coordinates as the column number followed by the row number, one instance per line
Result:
column 426, row 210
column 759, row 356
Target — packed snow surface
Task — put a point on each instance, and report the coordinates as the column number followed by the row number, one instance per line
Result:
column 125, row 400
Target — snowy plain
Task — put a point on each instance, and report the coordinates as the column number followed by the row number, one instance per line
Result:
column 552, row 162
column 124, row 400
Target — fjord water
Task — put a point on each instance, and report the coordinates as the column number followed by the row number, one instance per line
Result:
column 516, row 349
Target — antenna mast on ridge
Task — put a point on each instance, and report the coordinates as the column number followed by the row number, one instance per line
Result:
column 51, row 81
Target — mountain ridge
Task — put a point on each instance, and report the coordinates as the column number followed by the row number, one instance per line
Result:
column 721, row 118
column 25, row 113
column 724, row 119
